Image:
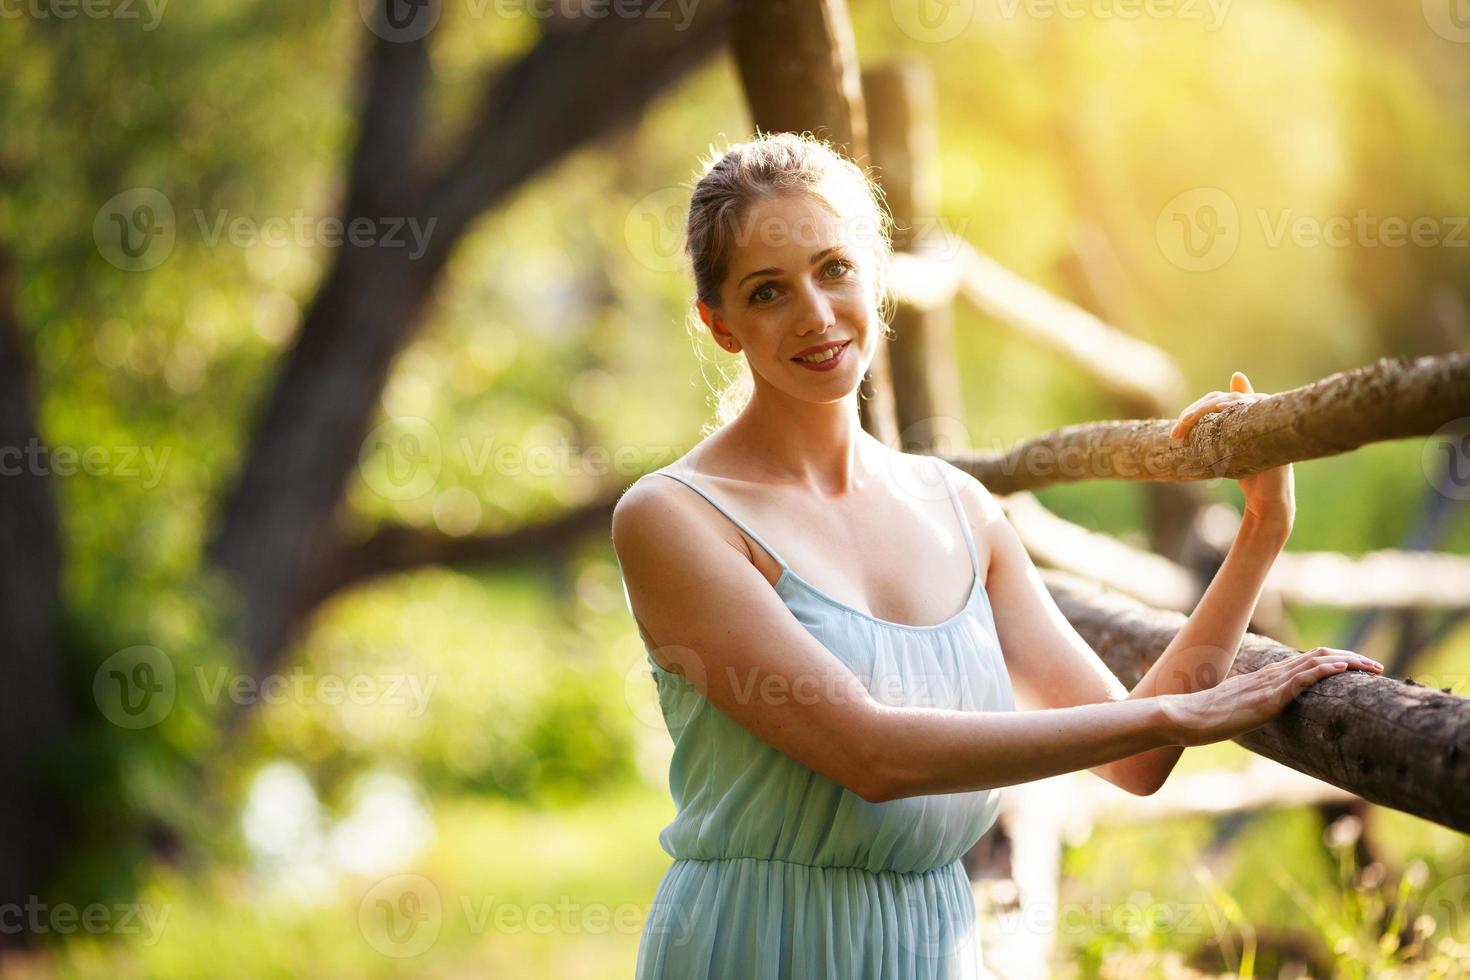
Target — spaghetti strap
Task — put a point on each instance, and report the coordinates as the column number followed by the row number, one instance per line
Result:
column 959, row 510
column 733, row 519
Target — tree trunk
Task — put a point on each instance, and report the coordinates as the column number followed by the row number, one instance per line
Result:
column 33, row 714
column 276, row 535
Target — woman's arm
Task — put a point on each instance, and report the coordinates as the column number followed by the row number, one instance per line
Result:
column 1202, row 652
column 1051, row 665
column 714, row 618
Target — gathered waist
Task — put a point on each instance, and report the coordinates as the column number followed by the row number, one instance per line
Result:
column 949, row 867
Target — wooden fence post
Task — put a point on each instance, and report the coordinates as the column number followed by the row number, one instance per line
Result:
column 904, row 141
column 799, row 71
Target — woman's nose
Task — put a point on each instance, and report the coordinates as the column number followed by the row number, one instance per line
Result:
column 816, row 310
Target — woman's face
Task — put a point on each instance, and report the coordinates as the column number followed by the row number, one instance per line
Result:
column 799, row 278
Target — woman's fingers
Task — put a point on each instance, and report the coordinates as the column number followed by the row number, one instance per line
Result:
column 1307, row 669
column 1241, row 392
column 1350, row 655
column 1215, row 402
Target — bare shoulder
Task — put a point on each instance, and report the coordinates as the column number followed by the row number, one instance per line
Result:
column 657, row 516
column 647, row 510
column 984, row 512
column 979, row 502
column 710, row 615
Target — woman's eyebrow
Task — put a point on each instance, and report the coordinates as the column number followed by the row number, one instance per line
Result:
column 773, row 271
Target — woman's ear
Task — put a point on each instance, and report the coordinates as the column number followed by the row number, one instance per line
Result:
column 711, row 318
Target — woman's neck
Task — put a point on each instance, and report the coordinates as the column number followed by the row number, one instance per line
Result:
column 821, row 446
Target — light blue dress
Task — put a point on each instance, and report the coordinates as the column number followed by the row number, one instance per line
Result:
column 779, row 872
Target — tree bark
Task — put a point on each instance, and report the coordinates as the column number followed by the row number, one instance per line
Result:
column 904, row 142
column 33, row 714
column 1390, row 741
column 1393, row 398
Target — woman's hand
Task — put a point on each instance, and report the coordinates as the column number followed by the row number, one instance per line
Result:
column 1246, row 701
column 1270, row 496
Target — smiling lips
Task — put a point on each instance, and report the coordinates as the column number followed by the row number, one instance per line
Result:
column 823, row 358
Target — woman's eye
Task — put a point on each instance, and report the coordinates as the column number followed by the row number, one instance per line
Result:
column 845, row 266
column 756, row 296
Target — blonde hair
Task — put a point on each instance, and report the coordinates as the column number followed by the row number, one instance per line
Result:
column 747, row 173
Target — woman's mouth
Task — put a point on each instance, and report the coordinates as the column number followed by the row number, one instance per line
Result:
column 825, row 359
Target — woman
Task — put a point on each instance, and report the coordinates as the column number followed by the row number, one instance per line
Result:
column 862, row 727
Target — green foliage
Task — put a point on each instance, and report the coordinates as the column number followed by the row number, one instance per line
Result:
column 541, row 764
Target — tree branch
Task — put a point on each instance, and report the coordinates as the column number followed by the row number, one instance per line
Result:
column 580, row 82
column 1389, row 741
column 395, row 548
column 1393, row 398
